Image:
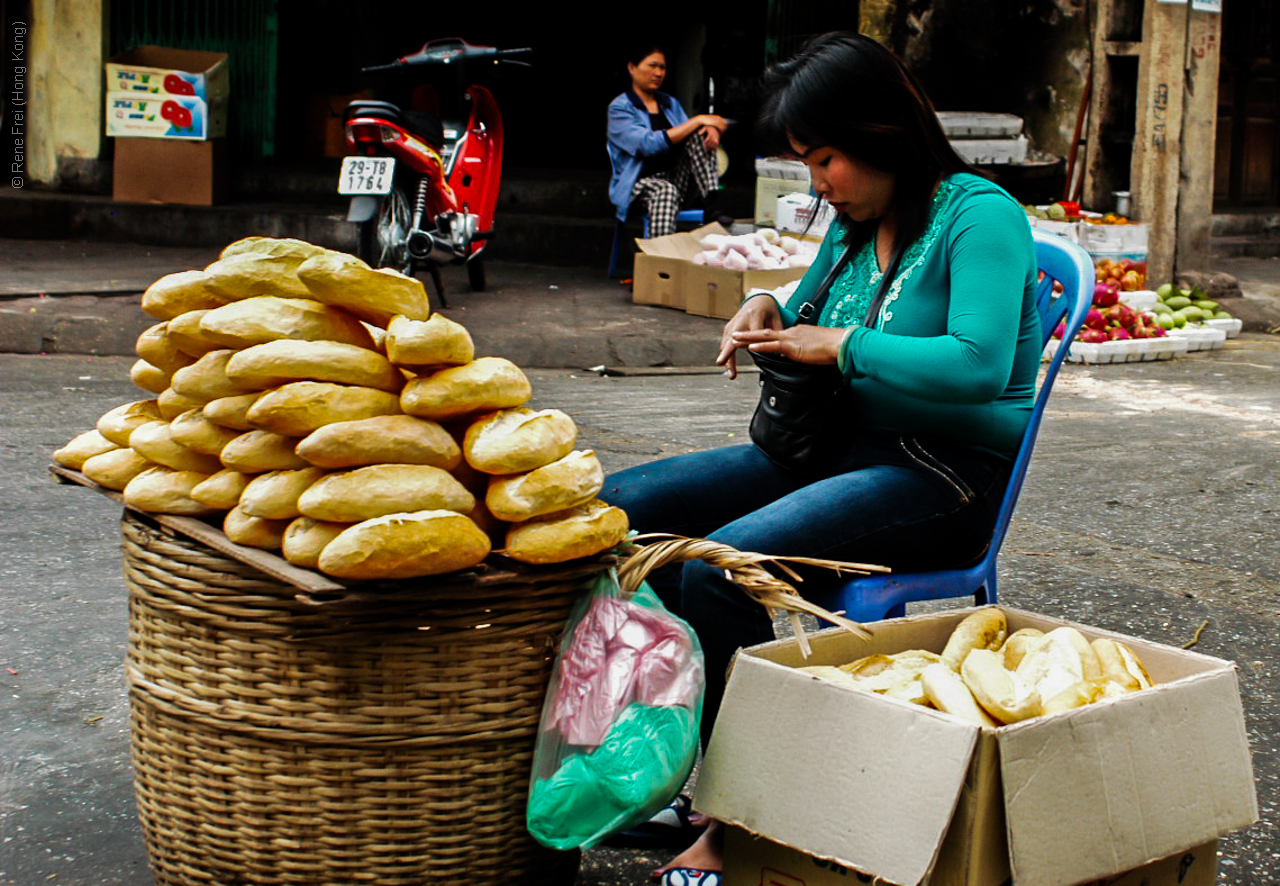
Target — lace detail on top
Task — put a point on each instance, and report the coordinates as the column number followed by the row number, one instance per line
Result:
column 855, row 287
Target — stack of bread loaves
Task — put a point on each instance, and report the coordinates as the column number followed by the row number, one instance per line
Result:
column 319, row 409
column 991, row 678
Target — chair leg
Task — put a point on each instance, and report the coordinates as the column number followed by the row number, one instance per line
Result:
column 616, row 251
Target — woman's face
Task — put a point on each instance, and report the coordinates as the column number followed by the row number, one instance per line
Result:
column 648, row 75
column 851, row 186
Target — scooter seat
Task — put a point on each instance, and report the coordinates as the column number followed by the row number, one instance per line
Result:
column 423, row 124
column 368, row 106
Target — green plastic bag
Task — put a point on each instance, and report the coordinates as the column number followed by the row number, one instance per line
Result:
column 619, row 729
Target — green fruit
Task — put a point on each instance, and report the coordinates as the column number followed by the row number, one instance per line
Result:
column 1165, row 291
column 1206, row 305
column 1168, row 321
column 1191, row 313
column 1161, row 308
column 1222, row 315
column 1177, row 302
column 1056, row 212
column 1179, row 320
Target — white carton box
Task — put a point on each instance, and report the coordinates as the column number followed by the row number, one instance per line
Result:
column 769, row 191
column 804, row 214
column 910, row 795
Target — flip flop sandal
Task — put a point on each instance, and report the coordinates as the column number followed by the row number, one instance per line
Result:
column 690, row 877
column 669, row 828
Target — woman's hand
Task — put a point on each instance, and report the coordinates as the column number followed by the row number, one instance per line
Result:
column 713, row 121
column 804, row 343
column 759, row 312
column 704, row 123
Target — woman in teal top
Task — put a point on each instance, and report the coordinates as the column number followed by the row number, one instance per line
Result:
column 941, row 381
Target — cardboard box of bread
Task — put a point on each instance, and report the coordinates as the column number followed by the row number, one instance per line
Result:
column 971, row 746
column 313, row 406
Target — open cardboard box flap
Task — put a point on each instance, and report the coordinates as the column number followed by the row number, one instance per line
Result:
column 872, row 782
column 682, row 244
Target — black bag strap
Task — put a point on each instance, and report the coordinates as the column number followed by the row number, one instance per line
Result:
column 811, row 310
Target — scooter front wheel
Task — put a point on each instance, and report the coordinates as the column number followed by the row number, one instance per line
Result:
column 384, row 239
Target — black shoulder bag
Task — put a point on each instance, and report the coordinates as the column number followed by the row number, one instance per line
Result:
column 803, row 413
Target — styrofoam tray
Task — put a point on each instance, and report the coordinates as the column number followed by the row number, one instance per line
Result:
column 1200, row 337
column 1139, row 299
column 1130, row 351
column 1230, row 326
column 973, row 124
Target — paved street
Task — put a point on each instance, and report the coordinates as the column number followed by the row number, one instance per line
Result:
column 1151, row 508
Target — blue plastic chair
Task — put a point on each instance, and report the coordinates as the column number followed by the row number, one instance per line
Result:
column 886, row 596
column 692, row 216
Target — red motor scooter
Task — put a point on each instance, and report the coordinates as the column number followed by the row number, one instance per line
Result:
column 424, row 183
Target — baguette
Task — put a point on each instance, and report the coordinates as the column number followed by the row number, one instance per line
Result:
column 83, row 447
column 1001, row 692
column 378, row 490
column 984, row 629
column 947, row 692
column 300, row 407
column 562, row 484
column 515, row 440
column 118, row 424
column 274, row 495
column 567, row 535
column 407, row 545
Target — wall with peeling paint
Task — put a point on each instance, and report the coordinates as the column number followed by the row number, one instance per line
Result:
column 1023, row 57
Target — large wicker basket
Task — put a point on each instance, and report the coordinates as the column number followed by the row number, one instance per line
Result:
column 384, row 737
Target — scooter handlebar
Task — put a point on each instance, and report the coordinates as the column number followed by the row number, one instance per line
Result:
column 441, row 53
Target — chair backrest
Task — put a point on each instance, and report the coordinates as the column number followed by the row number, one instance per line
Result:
column 1063, row 262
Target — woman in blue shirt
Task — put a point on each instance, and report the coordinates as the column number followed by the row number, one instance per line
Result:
column 660, row 155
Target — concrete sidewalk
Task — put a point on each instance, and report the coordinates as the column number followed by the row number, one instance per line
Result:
column 70, row 297
column 74, row 297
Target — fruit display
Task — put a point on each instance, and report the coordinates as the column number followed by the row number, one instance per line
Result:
column 1123, row 274
column 992, row 678
column 310, row 405
column 1176, row 308
column 1110, row 319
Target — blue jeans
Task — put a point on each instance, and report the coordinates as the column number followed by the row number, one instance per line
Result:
column 902, row 502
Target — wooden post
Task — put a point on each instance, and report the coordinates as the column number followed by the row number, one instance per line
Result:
column 1157, row 144
column 1199, row 126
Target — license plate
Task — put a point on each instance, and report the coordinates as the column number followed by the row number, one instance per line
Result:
column 366, row 175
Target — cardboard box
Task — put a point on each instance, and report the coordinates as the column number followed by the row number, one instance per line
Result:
column 755, row 861
column 149, row 170
column 158, row 70
column 156, row 92
column 768, row 190
column 912, row 796
column 666, row 275
column 167, row 116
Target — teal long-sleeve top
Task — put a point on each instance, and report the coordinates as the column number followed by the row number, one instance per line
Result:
column 955, row 347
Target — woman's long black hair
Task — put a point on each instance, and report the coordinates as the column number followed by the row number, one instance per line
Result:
column 846, row 91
